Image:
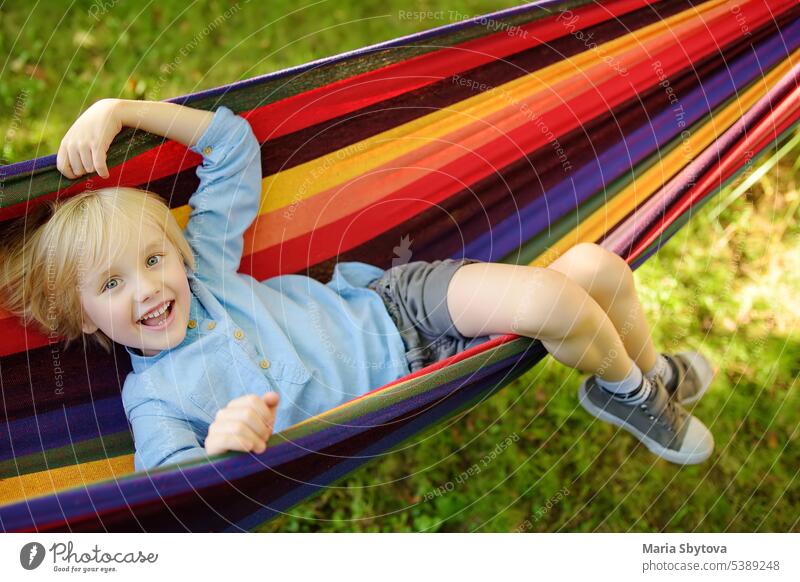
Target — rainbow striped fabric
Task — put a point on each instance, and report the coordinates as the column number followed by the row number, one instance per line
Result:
column 506, row 138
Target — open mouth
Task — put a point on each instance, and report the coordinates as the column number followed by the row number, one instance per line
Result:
column 160, row 318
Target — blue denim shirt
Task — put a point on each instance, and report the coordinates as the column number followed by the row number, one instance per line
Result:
column 317, row 345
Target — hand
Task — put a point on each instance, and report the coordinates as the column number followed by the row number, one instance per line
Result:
column 245, row 424
column 83, row 149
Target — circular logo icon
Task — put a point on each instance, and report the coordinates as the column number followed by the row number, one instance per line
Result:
column 31, row 555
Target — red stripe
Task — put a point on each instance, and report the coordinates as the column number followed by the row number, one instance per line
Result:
column 352, row 94
column 295, row 254
column 17, row 339
column 298, row 253
column 787, row 113
column 455, row 358
column 348, row 95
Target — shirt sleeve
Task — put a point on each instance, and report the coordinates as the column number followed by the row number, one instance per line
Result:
column 229, row 196
column 162, row 437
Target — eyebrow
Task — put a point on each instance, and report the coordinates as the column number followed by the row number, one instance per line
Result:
column 104, row 275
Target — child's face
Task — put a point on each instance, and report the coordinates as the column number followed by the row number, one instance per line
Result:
column 148, row 274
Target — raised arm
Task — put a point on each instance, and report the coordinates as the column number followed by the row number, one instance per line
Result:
column 83, row 149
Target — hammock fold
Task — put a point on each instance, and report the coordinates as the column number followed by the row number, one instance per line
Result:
column 506, row 138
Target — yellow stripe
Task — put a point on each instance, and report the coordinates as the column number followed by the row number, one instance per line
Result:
column 620, row 206
column 316, row 176
column 591, row 229
column 616, row 209
column 55, row 480
column 181, row 214
column 479, row 115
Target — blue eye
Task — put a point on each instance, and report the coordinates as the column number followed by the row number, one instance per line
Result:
column 107, row 286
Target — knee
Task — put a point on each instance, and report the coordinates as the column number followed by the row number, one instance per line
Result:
column 599, row 271
column 557, row 307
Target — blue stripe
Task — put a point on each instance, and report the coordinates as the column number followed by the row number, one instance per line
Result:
column 61, row 427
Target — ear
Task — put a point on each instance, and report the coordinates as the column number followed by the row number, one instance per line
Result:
column 89, row 327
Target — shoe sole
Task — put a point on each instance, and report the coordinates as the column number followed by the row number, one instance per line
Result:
column 690, row 458
column 704, row 389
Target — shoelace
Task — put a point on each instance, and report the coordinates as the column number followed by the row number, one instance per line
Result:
column 670, row 413
column 673, row 415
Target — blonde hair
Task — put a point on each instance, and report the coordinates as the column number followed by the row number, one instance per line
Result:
column 44, row 253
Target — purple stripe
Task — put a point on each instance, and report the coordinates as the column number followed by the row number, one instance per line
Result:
column 621, row 241
column 62, row 427
column 50, row 161
column 665, row 236
column 154, row 488
column 511, row 233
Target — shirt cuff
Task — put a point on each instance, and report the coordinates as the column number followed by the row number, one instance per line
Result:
column 222, row 128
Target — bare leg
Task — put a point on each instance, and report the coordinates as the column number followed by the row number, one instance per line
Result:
column 609, row 280
column 492, row 298
column 573, row 319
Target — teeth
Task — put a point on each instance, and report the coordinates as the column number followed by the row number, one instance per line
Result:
column 159, row 312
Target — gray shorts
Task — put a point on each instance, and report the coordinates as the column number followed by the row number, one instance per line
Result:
column 415, row 295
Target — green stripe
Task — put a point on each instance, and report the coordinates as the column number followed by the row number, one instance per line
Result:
column 108, row 446
column 687, row 215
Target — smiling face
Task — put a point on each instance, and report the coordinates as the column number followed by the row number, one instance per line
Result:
column 147, row 275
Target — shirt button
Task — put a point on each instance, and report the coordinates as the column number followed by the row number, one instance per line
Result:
column 192, row 324
column 238, row 334
column 207, row 150
column 264, row 364
column 212, row 325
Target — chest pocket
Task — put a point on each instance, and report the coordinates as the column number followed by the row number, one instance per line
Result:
column 230, row 372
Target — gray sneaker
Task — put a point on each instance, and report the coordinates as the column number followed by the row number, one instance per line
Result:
column 659, row 422
column 692, row 374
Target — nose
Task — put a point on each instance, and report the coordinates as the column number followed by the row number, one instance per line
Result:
column 148, row 286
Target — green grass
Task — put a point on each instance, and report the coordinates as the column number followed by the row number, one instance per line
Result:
column 726, row 285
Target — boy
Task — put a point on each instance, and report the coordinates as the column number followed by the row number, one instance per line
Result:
column 216, row 352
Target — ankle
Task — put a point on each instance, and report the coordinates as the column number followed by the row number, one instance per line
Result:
column 663, row 368
column 626, row 387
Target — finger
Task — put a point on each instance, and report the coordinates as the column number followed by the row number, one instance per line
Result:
column 62, row 162
column 237, row 436
column 223, row 443
column 251, row 401
column 271, row 399
column 99, row 159
column 255, row 420
column 231, row 436
column 86, row 158
column 75, row 161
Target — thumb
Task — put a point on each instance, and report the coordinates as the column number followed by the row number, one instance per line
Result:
column 271, row 399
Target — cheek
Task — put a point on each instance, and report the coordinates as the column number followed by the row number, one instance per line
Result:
column 100, row 314
column 89, row 309
column 184, row 291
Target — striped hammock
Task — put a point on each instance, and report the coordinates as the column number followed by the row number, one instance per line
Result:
column 507, row 138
